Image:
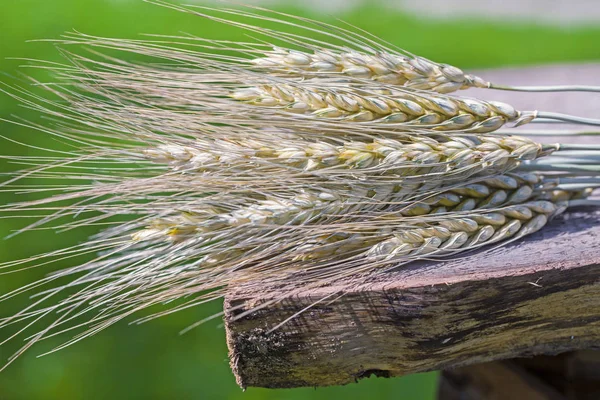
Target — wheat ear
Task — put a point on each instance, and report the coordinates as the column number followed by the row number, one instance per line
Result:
column 380, row 157
column 360, row 57
column 401, row 110
column 387, row 68
column 319, row 207
column 438, row 233
column 449, row 236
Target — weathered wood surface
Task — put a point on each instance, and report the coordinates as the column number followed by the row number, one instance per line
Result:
column 540, row 295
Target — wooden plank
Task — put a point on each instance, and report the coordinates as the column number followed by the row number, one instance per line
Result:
column 540, row 295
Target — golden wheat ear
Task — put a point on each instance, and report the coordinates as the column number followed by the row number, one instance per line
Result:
column 387, row 68
column 319, row 49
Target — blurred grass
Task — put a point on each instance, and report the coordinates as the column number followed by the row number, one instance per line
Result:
column 151, row 361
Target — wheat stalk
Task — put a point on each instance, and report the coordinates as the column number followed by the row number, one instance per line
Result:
column 413, row 170
column 204, row 87
column 321, row 102
column 253, row 242
column 387, row 68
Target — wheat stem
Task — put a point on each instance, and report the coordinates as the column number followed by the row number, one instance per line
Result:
column 549, row 132
column 552, row 88
column 585, row 203
column 560, row 167
column 568, row 118
column 583, row 148
column 595, row 180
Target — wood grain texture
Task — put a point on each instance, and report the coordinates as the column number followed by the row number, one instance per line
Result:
column 540, row 295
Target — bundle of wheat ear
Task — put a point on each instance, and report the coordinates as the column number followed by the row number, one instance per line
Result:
column 210, row 164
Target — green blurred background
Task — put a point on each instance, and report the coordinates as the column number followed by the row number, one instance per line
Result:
column 152, row 361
